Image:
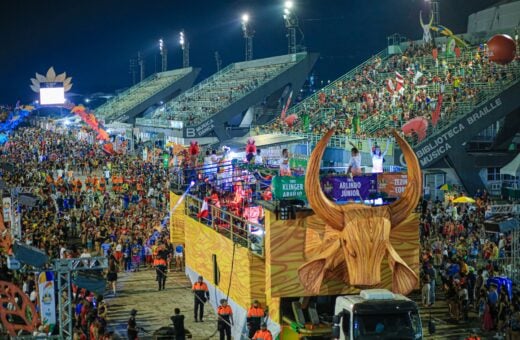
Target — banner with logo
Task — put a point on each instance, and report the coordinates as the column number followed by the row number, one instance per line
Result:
column 289, row 188
column 344, row 188
column 6, row 203
column 47, row 299
column 392, row 184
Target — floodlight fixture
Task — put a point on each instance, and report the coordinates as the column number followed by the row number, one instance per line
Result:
column 245, row 18
column 289, row 4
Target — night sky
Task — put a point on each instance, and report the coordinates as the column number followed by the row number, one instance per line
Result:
column 93, row 40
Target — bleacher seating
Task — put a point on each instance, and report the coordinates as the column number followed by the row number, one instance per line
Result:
column 224, row 88
column 137, row 94
column 465, row 80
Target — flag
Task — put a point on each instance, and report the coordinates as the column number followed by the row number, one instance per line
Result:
column 204, row 212
column 417, row 76
column 399, row 81
column 410, row 71
column 286, row 107
column 437, row 112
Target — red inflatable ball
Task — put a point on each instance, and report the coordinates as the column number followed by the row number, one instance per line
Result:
column 501, row 49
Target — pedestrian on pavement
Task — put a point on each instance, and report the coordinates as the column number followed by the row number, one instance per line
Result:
column 160, row 266
column 263, row 333
column 132, row 329
column 255, row 314
column 178, row 325
column 225, row 320
column 112, row 275
column 201, row 295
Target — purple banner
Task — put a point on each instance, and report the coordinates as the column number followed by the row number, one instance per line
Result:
column 344, row 188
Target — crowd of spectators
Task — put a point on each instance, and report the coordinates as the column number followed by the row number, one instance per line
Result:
column 365, row 96
column 460, row 259
column 89, row 204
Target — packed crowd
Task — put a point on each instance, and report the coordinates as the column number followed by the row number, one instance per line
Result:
column 88, row 203
column 464, row 261
column 367, row 95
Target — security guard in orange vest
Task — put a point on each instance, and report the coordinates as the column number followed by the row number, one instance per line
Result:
column 200, row 289
column 225, row 320
column 263, row 333
column 255, row 314
column 88, row 183
column 102, row 184
column 159, row 262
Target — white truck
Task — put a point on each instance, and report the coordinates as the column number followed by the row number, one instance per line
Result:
column 376, row 314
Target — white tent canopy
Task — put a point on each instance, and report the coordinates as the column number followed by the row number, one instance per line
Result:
column 512, row 168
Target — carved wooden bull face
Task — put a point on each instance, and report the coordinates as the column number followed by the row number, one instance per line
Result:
column 358, row 236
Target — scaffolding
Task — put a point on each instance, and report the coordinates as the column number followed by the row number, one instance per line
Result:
column 64, row 268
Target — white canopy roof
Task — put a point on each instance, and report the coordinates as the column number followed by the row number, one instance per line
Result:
column 512, row 168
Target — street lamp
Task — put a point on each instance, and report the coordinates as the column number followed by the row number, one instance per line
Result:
column 185, row 45
column 248, row 36
column 291, row 23
column 164, row 55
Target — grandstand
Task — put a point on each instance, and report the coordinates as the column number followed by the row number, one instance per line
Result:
column 158, row 87
column 218, row 105
column 470, row 86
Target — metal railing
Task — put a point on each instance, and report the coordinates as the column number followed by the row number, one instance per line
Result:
column 222, row 220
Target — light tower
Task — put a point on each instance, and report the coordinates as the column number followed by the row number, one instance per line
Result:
column 164, row 55
column 185, row 45
column 140, row 61
column 291, row 23
column 248, row 36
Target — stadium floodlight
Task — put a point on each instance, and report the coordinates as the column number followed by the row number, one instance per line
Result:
column 248, row 36
column 286, row 11
column 290, row 18
column 181, row 38
column 289, row 4
column 161, row 44
column 185, row 45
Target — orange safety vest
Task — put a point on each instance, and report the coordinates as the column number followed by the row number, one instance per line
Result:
column 263, row 335
column 255, row 312
column 197, row 286
column 224, row 311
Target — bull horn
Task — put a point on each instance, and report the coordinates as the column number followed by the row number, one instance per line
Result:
column 401, row 208
column 321, row 205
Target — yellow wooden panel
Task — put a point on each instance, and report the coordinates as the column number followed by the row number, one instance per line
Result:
column 247, row 279
column 177, row 219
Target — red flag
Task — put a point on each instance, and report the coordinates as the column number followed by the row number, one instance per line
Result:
column 286, row 107
column 399, row 81
column 204, row 211
column 436, row 114
column 418, row 125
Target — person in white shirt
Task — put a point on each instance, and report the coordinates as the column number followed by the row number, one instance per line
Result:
column 259, row 160
column 377, row 156
column 354, row 166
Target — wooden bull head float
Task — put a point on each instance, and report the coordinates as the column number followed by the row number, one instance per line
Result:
column 357, row 237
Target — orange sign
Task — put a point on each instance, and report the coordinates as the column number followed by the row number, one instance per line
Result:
column 392, row 184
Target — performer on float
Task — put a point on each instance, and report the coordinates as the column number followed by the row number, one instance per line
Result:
column 354, row 166
column 377, row 156
column 285, row 168
column 250, row 150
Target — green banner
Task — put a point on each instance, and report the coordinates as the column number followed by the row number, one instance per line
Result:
column 166, row 160
column 298, row 163
column 289, row 188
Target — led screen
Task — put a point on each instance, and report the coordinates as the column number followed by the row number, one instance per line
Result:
column 52, row 95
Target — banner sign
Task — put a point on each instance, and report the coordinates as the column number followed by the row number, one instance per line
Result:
column 6, row 203
column 344, row 188
column 295, row 163
column 289, row 188
column 392, row 184
column 201, row 130
column 440, row 146
column 47, row 299
column 166, row 160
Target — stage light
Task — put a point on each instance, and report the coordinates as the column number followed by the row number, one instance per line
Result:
column 289, row 4
column 245, row 18
column 192, row 183
column 87, row 100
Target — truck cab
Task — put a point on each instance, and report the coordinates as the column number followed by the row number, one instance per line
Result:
column 376, row 314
